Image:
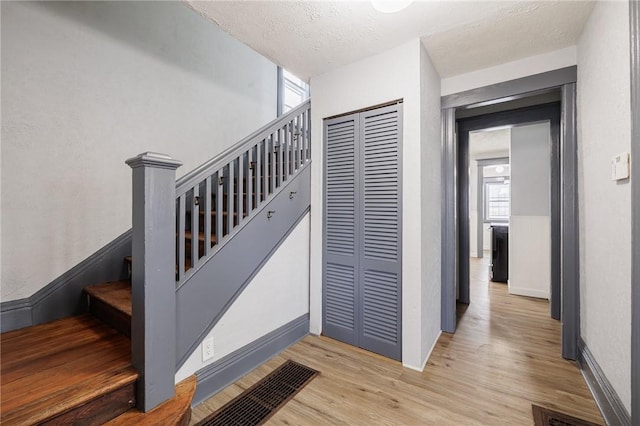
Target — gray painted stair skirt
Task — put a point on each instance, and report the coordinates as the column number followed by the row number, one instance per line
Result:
column 206, row 295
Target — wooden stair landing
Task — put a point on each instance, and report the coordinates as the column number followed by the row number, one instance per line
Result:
column 176, row 411
column 63, row 371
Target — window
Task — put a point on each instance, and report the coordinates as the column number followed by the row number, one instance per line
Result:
column 496, row 199
column 292, row 91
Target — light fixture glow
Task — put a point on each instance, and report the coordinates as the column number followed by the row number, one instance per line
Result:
column 499, row 169
column 390, row 6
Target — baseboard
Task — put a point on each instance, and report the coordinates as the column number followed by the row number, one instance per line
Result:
column 433, row 346
column 609, row 403
column 426, row 358
column 217, row 376
column 528, row 292
column 15, row 314
column 62, row 297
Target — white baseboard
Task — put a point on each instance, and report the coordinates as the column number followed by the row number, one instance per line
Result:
column 426, row 359
column 529, row 292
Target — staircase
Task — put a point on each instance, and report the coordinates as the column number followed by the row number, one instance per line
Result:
column 79, row 370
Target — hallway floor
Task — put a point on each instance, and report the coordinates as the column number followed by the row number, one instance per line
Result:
column 504, row 357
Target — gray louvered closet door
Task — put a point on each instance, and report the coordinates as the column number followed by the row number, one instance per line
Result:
column 362, row 230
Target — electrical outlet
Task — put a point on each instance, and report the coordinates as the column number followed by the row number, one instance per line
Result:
column 207, row 349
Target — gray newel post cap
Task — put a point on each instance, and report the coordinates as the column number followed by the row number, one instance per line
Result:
column 153, row 159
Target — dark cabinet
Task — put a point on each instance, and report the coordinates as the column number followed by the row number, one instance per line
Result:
column 499, row 253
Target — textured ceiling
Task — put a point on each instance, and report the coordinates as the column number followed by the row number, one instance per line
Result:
column 312, row 37
column 489, row 143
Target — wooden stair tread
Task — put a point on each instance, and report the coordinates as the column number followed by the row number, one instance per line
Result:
column 53, row 368
column 176, row 411
column 115, row 293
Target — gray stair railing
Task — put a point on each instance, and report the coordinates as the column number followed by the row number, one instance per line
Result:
column 216, row 199
column 212, row 204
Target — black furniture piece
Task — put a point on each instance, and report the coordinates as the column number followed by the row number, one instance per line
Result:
column 499, row 253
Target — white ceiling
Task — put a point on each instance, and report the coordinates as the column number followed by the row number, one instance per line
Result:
column 489, row 143
column 312, row 37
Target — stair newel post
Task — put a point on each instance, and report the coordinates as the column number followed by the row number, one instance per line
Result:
column 153, row 322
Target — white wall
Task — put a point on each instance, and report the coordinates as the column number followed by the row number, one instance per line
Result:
column 285, row 284
column 486, row 236
column 530, row 217
column 473, row 207
column 430, row 203
column 537, row 64
column 394, row 74
column 86, row 85
column 605, row 206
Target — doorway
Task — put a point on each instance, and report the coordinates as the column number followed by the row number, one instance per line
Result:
column 520, row 90
column 533, row 209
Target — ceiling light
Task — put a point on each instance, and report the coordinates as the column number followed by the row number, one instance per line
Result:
column 390, row 6
column 499, row 169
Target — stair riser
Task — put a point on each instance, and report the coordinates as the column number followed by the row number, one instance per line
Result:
column 99, row 410
column 111, row 316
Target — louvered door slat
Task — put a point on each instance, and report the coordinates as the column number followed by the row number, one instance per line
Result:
column 380, row 265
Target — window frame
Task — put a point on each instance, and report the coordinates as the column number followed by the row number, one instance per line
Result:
column 283, row 84
column 487, row 181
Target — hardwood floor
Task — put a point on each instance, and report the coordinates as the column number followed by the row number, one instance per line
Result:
column 504, row 357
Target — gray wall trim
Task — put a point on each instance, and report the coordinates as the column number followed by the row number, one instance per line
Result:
column 511, row 89
column 462, row 215
column 607, row 399
column 634, row 18
column 217, row 376
column 480, row 211
column 62, row 297
column 555, row 211
column 15, row 314
column 570, row 248
column 201, row 303
column 448, row 236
